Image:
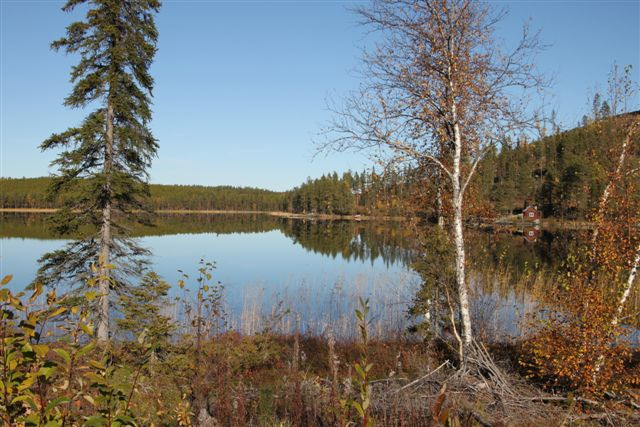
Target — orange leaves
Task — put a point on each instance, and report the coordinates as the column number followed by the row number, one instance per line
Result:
column 582, row 345
column 580, row 349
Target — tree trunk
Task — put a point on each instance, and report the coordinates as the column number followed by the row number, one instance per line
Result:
column 457, row 200
column 105, row 234
column 628, row 287
column 607, row 191
column 621, row 303
column 439, row 212
column 458, row 234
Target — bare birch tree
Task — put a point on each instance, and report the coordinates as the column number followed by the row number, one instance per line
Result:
column 439, row 90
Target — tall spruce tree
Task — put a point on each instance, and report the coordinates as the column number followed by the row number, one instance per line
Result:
column 104, row 161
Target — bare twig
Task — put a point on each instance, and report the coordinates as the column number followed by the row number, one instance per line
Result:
column 446, row 362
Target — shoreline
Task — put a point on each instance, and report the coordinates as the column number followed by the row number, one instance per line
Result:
column 501, row 222
column 279, row 214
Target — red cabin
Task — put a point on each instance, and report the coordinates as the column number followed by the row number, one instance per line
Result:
column 531, row 213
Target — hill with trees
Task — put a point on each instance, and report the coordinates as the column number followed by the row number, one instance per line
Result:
column 563, row 173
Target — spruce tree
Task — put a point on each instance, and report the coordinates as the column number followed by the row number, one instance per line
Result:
column 104, row 161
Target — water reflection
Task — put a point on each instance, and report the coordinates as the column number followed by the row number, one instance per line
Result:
column 351, row 240
column 316, row 268
column 391, row 242
column 321, row 267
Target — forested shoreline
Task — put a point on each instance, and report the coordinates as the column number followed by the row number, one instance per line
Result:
column 352, row 193
column 562, row 173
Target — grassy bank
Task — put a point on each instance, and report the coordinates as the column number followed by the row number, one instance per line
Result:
column 311, row 380
column 156, row 372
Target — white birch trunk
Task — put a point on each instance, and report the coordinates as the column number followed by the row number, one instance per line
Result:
column 621, row 303
column 439, row 212
column 457, row 200
column 458, row 237
column 628, row 287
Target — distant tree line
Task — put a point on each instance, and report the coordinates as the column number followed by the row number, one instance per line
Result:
column 26, row 193
column 198, row 197
column 31, row 193
column 367, row 192
column 364, row 193
column 563, row 173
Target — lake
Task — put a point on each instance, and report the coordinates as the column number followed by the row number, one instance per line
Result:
column 318, row 269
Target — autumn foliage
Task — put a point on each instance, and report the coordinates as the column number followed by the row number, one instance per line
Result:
column 581, row 349
column 582, row 342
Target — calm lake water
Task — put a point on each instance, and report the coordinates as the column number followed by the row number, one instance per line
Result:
column 311, row 267
column 315, row 268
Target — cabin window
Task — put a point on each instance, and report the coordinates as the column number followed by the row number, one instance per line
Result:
column 531, row 214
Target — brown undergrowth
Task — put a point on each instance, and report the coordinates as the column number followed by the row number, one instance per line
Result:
column 267, row 380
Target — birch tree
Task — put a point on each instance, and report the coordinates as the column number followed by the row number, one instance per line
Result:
column 623, row 184
column 104, row 161
column 581, row 343
column 621, row 91
column 438, row 91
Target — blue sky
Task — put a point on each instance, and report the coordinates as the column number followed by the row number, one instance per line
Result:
column 241, row 86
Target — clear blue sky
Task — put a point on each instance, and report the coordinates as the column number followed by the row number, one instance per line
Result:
column 241, row 85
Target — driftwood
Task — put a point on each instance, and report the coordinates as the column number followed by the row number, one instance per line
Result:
column 565, row 399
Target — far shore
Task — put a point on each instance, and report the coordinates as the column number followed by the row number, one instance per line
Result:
column 28, row 210
column 501, row 222
column 209, row 211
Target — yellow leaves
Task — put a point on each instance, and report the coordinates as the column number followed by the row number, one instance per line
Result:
column 41, row 349
column 142, row 336
column 28, row 382
column 56, row 369
column 86, row 349
column 46, row 371
column 89, row 399
column 64, row 354
column 98, row 365
column 14, row 300
column 88, row 329
column 51, row 297
column 576, row 349
column 57, row 312
column 37, row 290
column 6, row 279
column 183, row 412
